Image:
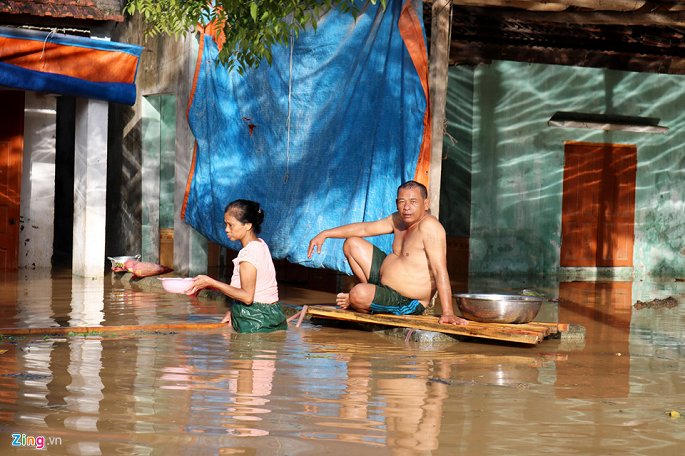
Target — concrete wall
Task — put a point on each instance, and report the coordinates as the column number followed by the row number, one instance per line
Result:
column 38, row 181
column 517, row 162
column 158, row 156
column 166, row 67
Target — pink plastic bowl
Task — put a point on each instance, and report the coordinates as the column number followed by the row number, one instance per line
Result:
column 176, row 284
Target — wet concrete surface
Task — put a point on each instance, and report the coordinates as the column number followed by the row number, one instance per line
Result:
column 609, row 388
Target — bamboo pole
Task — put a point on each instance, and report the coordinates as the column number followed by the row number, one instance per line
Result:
column 437, row 82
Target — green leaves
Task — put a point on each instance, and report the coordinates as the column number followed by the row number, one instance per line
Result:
column 251, row 28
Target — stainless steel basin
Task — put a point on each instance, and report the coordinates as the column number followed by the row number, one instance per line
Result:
column 498, row 308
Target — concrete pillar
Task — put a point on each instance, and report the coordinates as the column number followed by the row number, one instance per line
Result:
column 437, row 81
column 37, row 212
column 90, row 186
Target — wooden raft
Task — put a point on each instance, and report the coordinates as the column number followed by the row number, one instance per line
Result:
column 525, row 333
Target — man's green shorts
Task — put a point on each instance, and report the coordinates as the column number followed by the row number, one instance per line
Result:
column 387, row 300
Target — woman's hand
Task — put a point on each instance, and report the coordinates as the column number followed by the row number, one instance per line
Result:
column 200, row 283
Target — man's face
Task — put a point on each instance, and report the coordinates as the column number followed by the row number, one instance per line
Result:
column 411, row 205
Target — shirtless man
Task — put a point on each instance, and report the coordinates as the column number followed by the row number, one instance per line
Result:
column 404, row 281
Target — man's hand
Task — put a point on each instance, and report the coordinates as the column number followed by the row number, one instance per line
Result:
column 316, row 242
column 452, row 320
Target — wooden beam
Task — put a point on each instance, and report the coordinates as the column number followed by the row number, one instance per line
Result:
column 437, row 81
column 562, row 5
column 475, row 53
column 519, row 4
column 654, row 19
column 559, row 5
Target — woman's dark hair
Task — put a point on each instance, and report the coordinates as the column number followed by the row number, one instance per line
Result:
column 247, row 211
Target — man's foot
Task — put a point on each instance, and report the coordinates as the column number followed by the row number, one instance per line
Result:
column 343, row 300
column 227, row 318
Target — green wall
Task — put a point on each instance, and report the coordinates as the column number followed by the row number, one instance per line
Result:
column 455, row 184
column 517, row 161
column 158, row 175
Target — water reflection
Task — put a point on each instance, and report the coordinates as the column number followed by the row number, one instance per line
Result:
column 84, row 393
column 87, row 302
column 34, row 302
column 320, row 389
column 398, row 401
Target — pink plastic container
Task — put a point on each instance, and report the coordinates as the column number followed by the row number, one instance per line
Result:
column 176, row 284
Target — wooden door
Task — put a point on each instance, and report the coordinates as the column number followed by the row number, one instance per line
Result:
column 11, row 151
column 598, row 205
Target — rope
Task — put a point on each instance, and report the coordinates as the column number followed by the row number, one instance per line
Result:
column 45, row 42
column 290, row 91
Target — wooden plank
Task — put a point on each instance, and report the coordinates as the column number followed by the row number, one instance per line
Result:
column 536, row 326
column 525, row 334
column 103, row 329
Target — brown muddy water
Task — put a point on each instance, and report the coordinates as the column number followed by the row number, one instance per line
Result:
column 607, row 388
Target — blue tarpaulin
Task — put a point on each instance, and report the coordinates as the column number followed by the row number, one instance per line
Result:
column 321, row 137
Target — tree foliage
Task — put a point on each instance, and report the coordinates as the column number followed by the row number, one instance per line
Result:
column 250, row 28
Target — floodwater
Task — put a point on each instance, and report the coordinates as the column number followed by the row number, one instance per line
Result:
column 606, row 389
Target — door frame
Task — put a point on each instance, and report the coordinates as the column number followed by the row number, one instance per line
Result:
column 12, row 128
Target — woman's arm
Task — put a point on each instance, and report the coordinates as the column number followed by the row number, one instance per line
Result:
column 244, row 294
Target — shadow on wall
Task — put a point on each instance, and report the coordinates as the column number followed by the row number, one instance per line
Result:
column 124, row 180
column 455, row 186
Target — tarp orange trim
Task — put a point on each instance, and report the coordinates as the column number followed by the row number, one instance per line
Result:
column 77, row 62
column 69, row 65
column 198, row 63
column 412, row 34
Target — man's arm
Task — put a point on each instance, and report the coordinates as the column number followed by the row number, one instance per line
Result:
column 360, row 229
column 435, row 244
